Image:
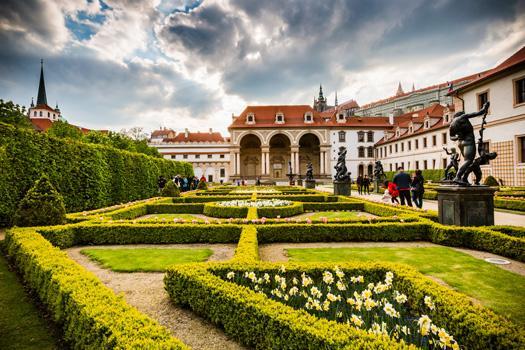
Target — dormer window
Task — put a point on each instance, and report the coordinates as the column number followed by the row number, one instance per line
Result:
column 279, row 118
column 446, row 118
column 308, row 117
column 250, row 119
column 427, row 124
column 410, row 128
column 397, row 132
column 341, row 118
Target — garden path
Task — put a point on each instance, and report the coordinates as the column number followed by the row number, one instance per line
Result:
column 145, row 291
column 276, row 252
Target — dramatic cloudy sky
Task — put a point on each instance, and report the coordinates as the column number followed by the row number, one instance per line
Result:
column 181, row 63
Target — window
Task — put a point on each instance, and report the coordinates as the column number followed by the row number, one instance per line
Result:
column 173, row 156
column 434, row 140
column 444, row 163
column 361, row 136
column 370, row 152
column 444, row 138
column 424, row 143
column 396, row 148
column 210, row 178
column 222, row 172
column 433, row 164
column 197, row 156
column 409, row 145
column 184, row 156
column 521, row 149
column 221, row 156
column 308, row 117
column 370, row 136
column 40, row 113
column 279, row 118
column 390, row 167
column 417, row 164
column 250, row 119
column 361, row 152
column 377, row 153
column 402, row 147
column 416, row 144
column 48, row 114
column 390, row 149
column 342, row 136
column 408, row 166
column 487, row 150
column 483, row 97
column 425, row 165
column 210, row 156
column 519, row 91
column 340, row 117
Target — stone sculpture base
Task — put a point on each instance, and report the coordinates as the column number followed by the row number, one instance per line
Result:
column 299, row 182
column 341, row 188
column 309, row 184
column 466, row 206
column 377, row 187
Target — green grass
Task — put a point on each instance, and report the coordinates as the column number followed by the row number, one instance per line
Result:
column 170, row 217
column 145, row 259
column 498, row 289
column 332, row 215
column 21, row 326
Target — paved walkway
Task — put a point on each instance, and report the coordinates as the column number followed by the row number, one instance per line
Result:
column 500, row 217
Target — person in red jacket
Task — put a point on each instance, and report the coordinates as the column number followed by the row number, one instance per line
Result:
column 392, row 190
column 203, row 179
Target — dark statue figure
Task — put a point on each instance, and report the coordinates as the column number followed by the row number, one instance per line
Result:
column 379, row 173
column 309, row 172
column 461, row 130
column 453, row 163
column 342, row 173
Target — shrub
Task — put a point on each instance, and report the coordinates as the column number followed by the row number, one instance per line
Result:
column 510, row 204
column 216, row 211
column 515, row 231
column 333, row 206
column 91, row 315
column 284, row 212
column 491, row 181
column 42, row 205
column 202, row 185
column 170, row 190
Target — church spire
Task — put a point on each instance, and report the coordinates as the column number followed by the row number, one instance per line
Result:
column 413, row 87
column 42, row 98
column 336, row 103
column 321, row 97
column 399, row 90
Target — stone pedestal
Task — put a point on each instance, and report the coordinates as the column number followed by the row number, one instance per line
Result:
column 299, row 182
column 377, row 187
column 466, row 206
column 309, row 184
column 342, row 188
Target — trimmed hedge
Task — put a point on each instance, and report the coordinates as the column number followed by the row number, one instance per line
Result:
column 257, row 321
column 284, row 212
column 118, row 233
column 204, row 199
column 91, row 315
column 515, row 231
column 333, row 206
column 434, row 175
column 301, row 197
column 247, row 250
column 509, row 204
column 87, row 175
column 168, row 208
column 216, row 211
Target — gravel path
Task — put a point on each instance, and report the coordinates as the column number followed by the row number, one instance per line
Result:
column 277, row 252
column 145, row 291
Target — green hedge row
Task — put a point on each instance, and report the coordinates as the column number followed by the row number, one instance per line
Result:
column 515, row 231
column 90, row 314
column 204, row 199
column 295, row 208
column 118, row 233
column 300, row 197
column 87, row 175
column 434, row 175
column 510, row 204
column 333, row 206
column 216, row 211
column 259, row 322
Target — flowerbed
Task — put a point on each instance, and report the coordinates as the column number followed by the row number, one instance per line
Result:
column 268, row 203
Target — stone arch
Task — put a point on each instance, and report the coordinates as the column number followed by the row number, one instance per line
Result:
column 309, row 151
column 271, row 134
column 250, row 156
column 319, row 134
column 238, row 138
column 280, row 154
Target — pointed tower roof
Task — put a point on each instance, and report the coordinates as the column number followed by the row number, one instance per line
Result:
column 336, row 104
column 321, row 97
column 413, row 87
column 399, row 90
column 42, row 98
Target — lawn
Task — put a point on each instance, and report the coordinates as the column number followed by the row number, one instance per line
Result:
column 498, row 289
column 145, row 259
column 21, row 326
column 170, row 217
column 332, row 215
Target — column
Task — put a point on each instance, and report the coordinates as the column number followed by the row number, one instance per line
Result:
column 321, row 163
column 232, row 165
column 265, row 165
column 294, row 155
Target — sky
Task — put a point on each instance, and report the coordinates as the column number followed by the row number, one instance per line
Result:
column 114, row 64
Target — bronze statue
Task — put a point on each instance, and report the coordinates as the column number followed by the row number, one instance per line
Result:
column 453, row 162
column 461, row 130
column 309, row 171
column 342, row 173
column 379, row 173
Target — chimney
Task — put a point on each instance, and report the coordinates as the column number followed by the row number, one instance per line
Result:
column 211, row 130
column 186, row 133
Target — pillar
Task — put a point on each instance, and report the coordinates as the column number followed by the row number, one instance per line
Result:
column 265, row 161
column 295, row 159
column 321, row 163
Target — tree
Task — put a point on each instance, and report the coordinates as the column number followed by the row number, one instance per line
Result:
column 135, row 133
column 121, row 141
column 63, row 129
column 94, row 136
column 42, row 205
column 170, row 190
column 142, row 147
column 13, row 114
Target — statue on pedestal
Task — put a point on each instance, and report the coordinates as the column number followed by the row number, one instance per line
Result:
column 379, row 173
column 461, row 130
column 453, row 163
column 342, row 174
column 309, row 172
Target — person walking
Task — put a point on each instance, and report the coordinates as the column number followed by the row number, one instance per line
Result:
column 418, row 188
column 403, row 181
column 359, row 182
column 391, row 191
column 366, row 185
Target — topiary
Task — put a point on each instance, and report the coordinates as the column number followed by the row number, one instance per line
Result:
column 491, row 181
column 202, row 185
column 42, row 205
column 170, row 190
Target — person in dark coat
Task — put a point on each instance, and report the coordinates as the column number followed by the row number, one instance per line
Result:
column 403, row 181
column 418, row 188
column 359, row 182
column 366, row 185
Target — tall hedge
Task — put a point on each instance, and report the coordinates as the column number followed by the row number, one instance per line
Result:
column 87, row 175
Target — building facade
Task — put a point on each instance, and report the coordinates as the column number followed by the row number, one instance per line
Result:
column 208, row 152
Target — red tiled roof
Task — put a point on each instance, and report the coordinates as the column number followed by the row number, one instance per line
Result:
column 514, row 61
column 44, row 106
column 435, row 111
column 41, row 124
column 441, row 85
column 197, row 137
column 294, row 117
column 162, row 133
